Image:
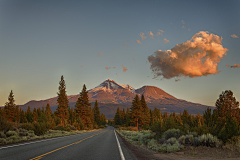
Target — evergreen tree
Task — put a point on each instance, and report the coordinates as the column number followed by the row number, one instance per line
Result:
column 103, row 119
column 10, row 107
column 136, row 111
column 49, row 116
column 35, row 115
column 145, row 112
column 82, row 107
column 62, row 109
column 97, row 113
column 228, row 103
column 29, row 115
column 207, row 117
column 22, row 116
column 17, row 114
column 185, row 116
column 117, row 117
column 127, row 117
column 157, row 115
column 71, row 116
column 39, row 112
column 122, row 115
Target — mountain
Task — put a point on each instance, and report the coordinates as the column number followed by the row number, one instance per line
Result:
column 111, row 95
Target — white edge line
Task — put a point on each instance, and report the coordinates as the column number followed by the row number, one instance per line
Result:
column 119, row 147
column 38, row 141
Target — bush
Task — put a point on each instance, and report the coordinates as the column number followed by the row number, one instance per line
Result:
column 182, row 139
column 14, row 138
column 11, row 133
column 23, row 132
column 39, row 128
column 3, row 141
column 158, row 129
column 172, row 133
column 5, row 125
column 208, row 140
column 27, row 126
column 2, row 135
column 152, row 144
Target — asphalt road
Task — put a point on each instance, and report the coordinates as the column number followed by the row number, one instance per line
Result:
column 97, row 145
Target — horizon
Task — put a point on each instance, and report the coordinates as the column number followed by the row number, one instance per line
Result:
column 156, row 43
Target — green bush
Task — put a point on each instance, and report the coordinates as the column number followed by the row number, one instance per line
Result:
column 39, row 128
column 2, row 135
column 22, row 132
column 172, row 133
column 3, row 141
column 27, row 126
column 14, row 138
column 11, row 133
column 182, row 139
column 5, row 125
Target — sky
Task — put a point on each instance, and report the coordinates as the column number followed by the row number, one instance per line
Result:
column 189, row 49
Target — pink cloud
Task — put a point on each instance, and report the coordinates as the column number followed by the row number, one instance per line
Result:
column 124, row 69
column 142, row 36
column 235, row 66
column 138, row 41
column 107, row 67
column 133, row 59
column 159, row 32
column 234, row 36
column 194, row 58
column 100, row 53
column 151, row 35
column 166, row 41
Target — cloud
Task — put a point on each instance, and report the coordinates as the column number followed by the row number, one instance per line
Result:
column 114, row 67
column 183, row 27
column 234, row 36
column 142, row 36
column 166, row 41
column 124, row 69
column 193, row 58
column 183, row 22
column 189, row 29
column 235, row 66
column 124, row 44
column 151, row 35
column 133, row 59
column 227, row 65
column 100, row 53
column 138, row 41
column 107, row 67
column 159, row 32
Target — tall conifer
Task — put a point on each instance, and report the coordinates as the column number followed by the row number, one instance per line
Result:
column 97, row 113
column 10, row 107
column 136, row 111
column 145, row 112
column 62, row 109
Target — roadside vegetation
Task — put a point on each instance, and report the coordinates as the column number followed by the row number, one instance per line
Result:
column 174, row 132
column 17, row 125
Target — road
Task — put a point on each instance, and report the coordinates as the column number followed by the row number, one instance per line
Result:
column 97, row 145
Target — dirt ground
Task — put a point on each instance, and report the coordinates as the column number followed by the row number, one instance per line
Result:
column 189, row 153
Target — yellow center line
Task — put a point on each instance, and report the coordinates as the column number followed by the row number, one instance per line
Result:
column 41, row 156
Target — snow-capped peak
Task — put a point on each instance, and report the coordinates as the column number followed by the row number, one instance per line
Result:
column 127, row 87
column 107, row 85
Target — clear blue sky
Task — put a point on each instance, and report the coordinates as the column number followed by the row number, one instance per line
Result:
column 42, row 40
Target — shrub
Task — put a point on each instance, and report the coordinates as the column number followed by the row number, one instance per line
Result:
column 5, row 125
column 39, row 128
column 162, row 141
column 182, row 139
column 172, row 140
column 27, row 126
column 172, row 133
column 152, row 144
column 208, row 140
column 14, row 138
column 31, row 134
column 2, row 135
column 24, row 138
column 172, row 148
column 3, row 141
column 158, row 129
column 23, row 132
column 11, row 133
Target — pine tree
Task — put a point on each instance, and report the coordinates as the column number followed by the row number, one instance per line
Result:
column 145, row 112
column 123, row 117
column 62, row 109
column 10, row 107
column 17, row 114
column 49, row 116
column 127, row 117
column 136, row 111
column 82, row 107
column 117, row 117
column 35, row 115
column 22, row 116
column 157, row 115
column 185, row 116
column 228, row 103
column 71, row 116
column 97, row 113
column 103, row 119
column 29, row 115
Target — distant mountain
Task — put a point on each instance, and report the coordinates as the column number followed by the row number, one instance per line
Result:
column 111, row 95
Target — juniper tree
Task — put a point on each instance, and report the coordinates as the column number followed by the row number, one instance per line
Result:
column 62, row 109
column 82, row 107
column 136, row 111
column 97, row 113
column 145, row 112
column 10, row 107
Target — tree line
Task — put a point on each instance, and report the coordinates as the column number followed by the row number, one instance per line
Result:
column 83, row 116
column 223, row 121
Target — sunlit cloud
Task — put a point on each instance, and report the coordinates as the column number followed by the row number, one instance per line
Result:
column 124, row 69
column 227, row 65
column 114, row 67
column 142, row 36
column 124, row 44
column 133, row 59
column 151, row 35
column 189, row 29
column 235, row 66
column 166, row 41
column 159, row 32
column 183, row 22
column 234, row 36
column 100, row 53
column 107, row 67
column 194, row 58
column 138, row 41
